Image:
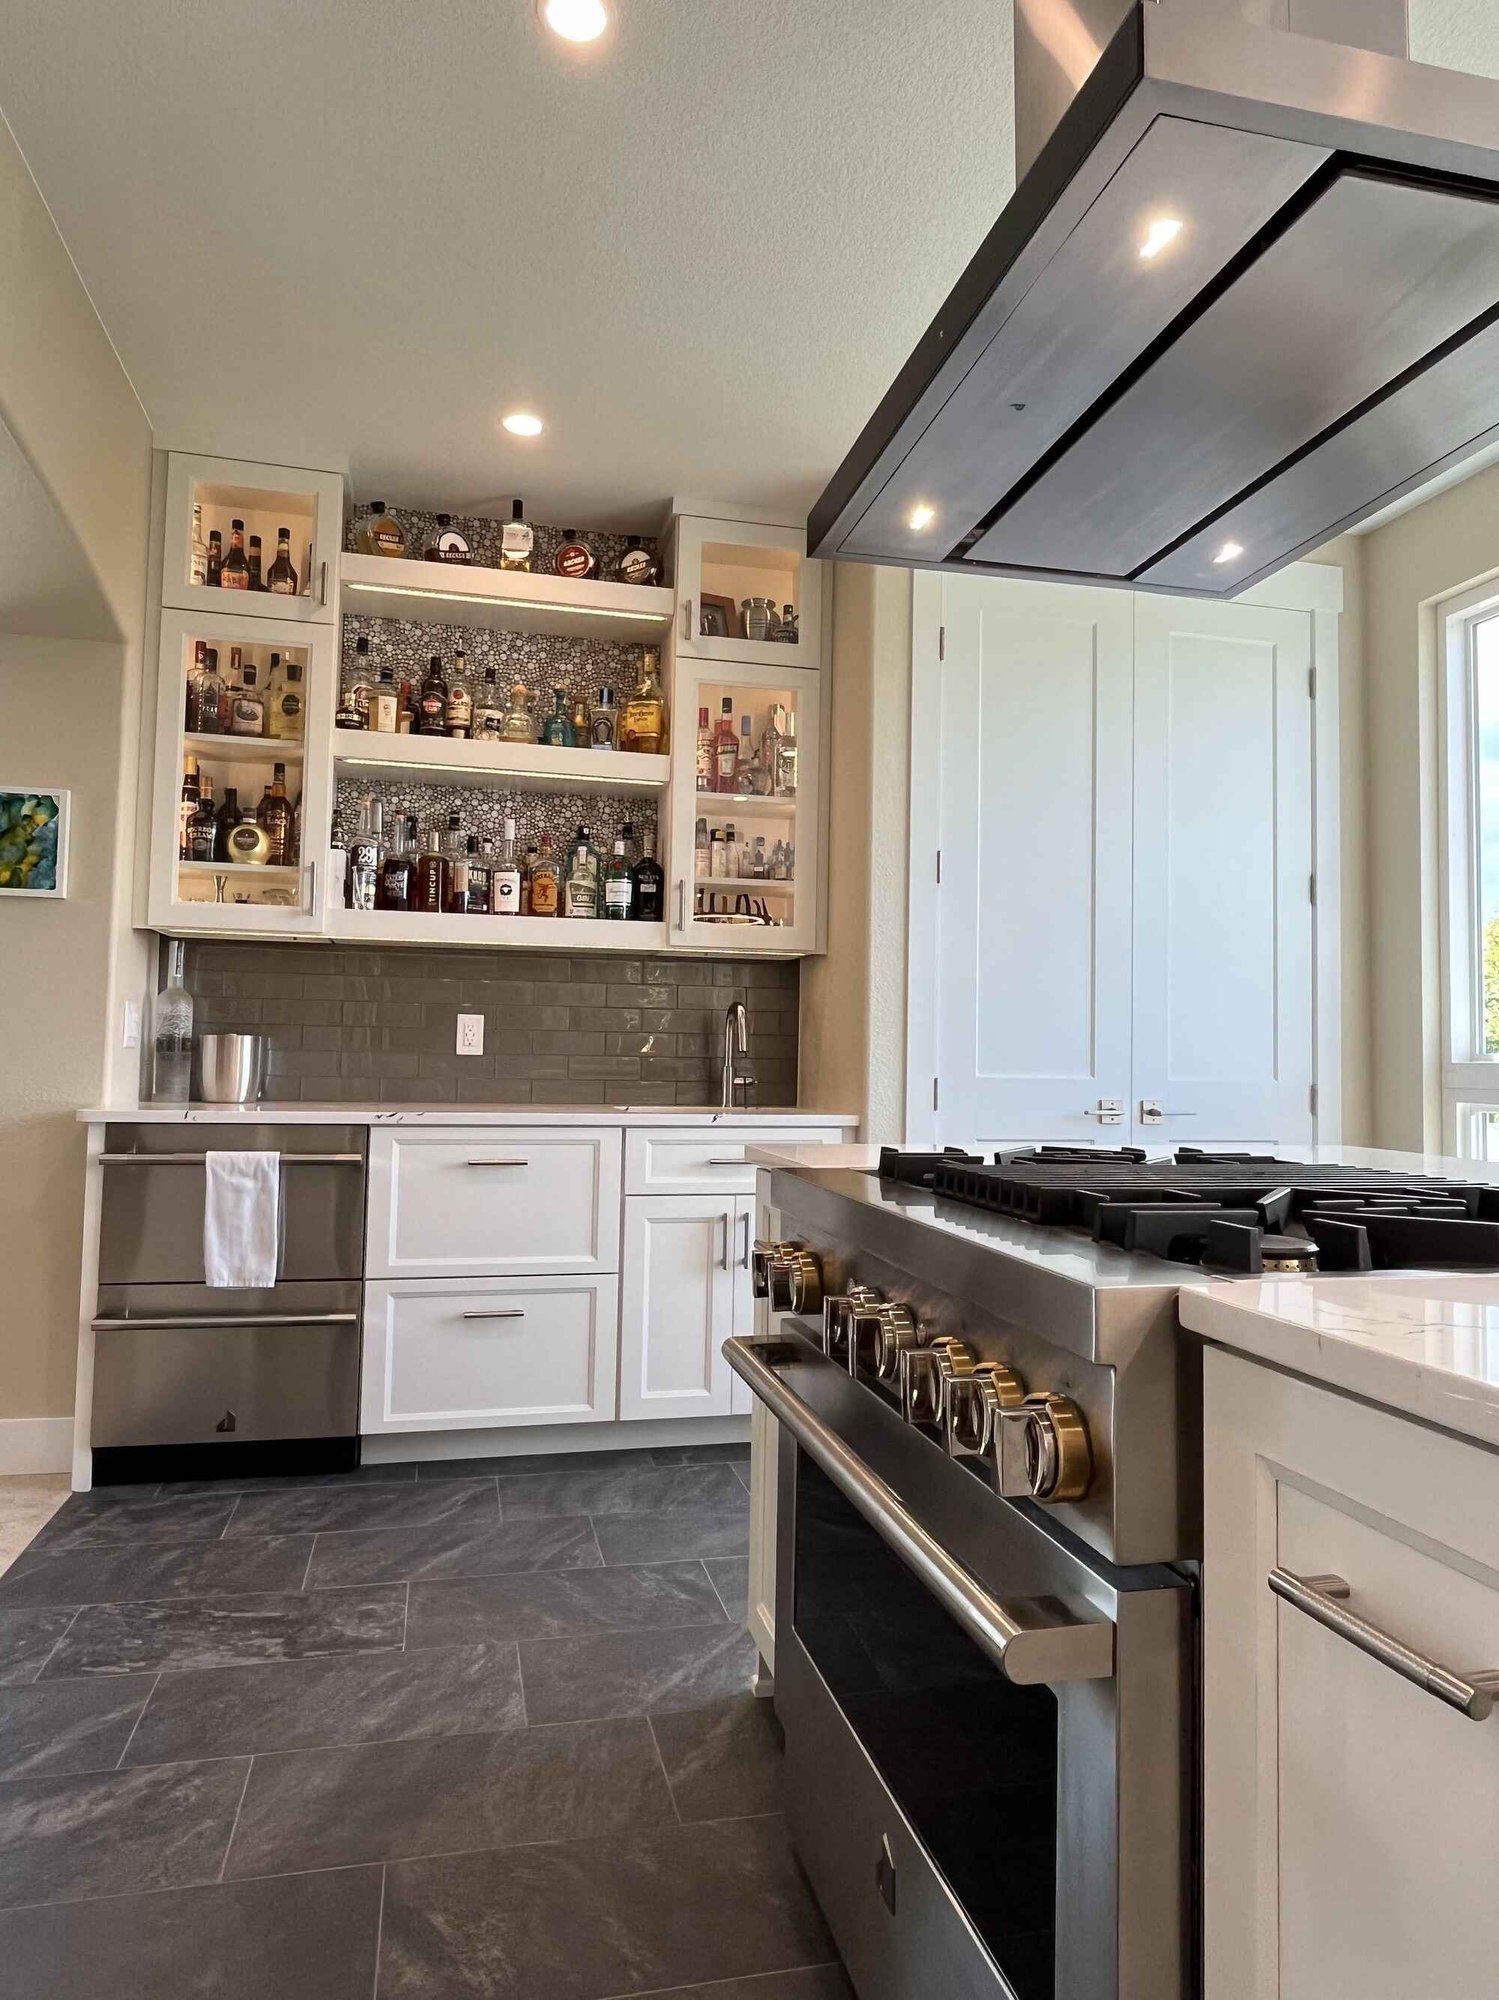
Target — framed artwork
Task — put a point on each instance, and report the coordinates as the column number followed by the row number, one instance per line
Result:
column 718, row 618
column 33, row 841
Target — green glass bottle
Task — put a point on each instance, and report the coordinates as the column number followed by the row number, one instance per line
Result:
column 557, row 729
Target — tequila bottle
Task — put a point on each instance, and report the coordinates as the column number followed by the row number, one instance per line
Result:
column 519, row 725
column 643, row 725
column 558, row 730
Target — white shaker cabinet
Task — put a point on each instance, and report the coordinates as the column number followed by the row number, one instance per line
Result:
column 1350, row 1814
column 685, row 1291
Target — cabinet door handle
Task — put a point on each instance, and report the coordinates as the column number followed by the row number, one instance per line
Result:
column 744, row 1261
column 737, row 1161
column 497, row 1163
column 1472, row 1693
column 499, row 1312
column 723, row 1254
column 681, row 906
column 312, row 908
column 323, row 585
column 686, row 617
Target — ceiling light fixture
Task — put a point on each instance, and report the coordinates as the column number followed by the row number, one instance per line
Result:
column 921, row 517
column 1161, row 233
column 1230, row 552
column 575, row 20
column 521, row 424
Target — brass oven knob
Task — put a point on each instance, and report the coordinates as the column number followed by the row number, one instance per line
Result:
column 837, row 1316
column 1044, row 1453
column 793, row 1281
column 896, row 1329
column 759, row 1265
column 972, row 1404
column 923, row 1373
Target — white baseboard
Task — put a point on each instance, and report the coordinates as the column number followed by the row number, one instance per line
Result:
column 521, row 1441
column 35, row 1444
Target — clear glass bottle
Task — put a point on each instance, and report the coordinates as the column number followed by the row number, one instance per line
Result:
column 489, row 712
column 770, row 743
column 743, row 768
column 366, row 853
column 790, row 630
column 701, row 849
column 460, row 708
column 725, row 748
column 379, row 535
column 474, row 883
column 432, row 707
column 385, row 703
column 517, row 539
column 785, row 773
column 432, row 875
column 206, row 696
column 648, row 883
column 519, row 725
column 716, row 866
column 398, row 869
column 580, row 886
column 603, row 721
column 455, row 853
column 247, row 704
column 236, row 573
column 779, row 863
column 282, row 578
column 546, row 881
column 642, row 727
column 755, row 864
column 730, row 853
column 172, row 1032
column 616, row 898
column 198, row 549
column 273, row 815
column 557, row 730
column 704, row 752
column 505, row 882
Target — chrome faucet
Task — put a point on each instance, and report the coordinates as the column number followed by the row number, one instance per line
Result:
column 738, row 1070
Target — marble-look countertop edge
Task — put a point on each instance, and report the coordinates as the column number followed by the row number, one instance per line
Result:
column 456, row 1114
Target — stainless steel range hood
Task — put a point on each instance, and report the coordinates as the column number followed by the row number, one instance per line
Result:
column 1245, row 295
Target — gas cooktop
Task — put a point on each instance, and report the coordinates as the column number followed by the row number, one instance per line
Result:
column 1228, row 1212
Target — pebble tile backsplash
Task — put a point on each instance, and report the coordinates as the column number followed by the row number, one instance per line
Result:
column 362, row 1025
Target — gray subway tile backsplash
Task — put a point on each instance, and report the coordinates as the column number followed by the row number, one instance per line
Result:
column 378, row 1025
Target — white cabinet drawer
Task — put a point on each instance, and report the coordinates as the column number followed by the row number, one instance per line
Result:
column 493, row 1199
column 708, row 1159
column 444, row 1354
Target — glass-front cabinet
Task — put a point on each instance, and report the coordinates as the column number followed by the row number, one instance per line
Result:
column 746, row 810
column 260, row 541
column 240, row 803
column 744, row 590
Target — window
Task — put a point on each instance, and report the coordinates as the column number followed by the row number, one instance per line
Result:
column 1470, row 1075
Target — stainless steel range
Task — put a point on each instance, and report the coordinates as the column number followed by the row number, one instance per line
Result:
column 988, row 1525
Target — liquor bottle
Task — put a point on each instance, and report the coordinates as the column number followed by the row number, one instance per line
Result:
column 757, row 866
column 273, row 814
column 546, row 881
column 398, row 869
column 480, row 877
column 790, row 631
column 432, row 875
column 366, row 852
column 471, row 880
column 226, row 820
column 780, row 866
column 636, row 565
column 705, row 752
column 349, row 715
column 603, row 721
column 200, row 832
column 725, row 749
column 643, row 725
column 187, row 807
column 580, row 884
column 517, row 539
column 519, row 725
column 236, row 575
column 407, row 715
column 557, row 730
column 215, row 576
column 526, row 870
column 447, row 545
column 282, row 578
column 207, row 697
column 648, row 883
column 172, row 1032
column 247, row 704
column 432, row 707
column 770, row 743
column 288, row 715
column 460, row 705
column 505, row 880
column 574, row 558
column 489, row 714
column 716, row 863
column 581, row 725
column 379, row 535
column 700, row 849
column 627, row 835
column 742, row 770
column 730, row 854
column 257, row 581
column 455, row 853
column 772, row 619
column 362, row 684
column 198, row 552
column 785, row 771
column 385, row 703
column 617, row 886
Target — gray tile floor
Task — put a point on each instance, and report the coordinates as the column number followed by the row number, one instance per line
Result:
column 411, row 1733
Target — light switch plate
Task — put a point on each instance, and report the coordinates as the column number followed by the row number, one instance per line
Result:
column 470, row 1040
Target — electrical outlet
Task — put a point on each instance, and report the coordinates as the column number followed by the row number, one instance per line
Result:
column 470, row 1035
column 130, row 1025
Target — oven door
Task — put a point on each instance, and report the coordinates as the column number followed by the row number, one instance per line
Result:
column 988, row 1728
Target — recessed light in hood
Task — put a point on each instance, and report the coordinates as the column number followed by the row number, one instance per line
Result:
column 1114, row 396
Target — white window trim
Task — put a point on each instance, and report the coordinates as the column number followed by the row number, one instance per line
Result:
column 1470, row 1080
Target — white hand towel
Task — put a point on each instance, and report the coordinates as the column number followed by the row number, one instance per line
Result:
column 241, row 1220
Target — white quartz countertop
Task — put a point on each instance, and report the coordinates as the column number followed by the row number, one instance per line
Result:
column 460, row 1114
column 1425, row 1345
column 852, row 1159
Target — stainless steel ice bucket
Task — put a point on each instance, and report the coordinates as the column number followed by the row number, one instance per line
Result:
column 230, row 1069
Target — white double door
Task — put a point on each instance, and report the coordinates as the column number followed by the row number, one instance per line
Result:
column 1125, row 911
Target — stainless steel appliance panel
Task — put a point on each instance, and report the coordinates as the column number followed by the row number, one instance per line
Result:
column 151, row 1225
column 183, row 1365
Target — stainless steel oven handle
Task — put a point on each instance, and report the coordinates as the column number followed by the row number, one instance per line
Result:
column 210, row 1321
column 1033, row 1641
column 197, row 1159
column 1472, row 1693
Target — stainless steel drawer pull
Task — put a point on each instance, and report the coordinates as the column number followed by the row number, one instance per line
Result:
column 210, row 1322
column 497, row 1163
column 197, row 1159
column 737, row 1161
column 502, row 1312
column 1472, row 1692
column 1034, row 1641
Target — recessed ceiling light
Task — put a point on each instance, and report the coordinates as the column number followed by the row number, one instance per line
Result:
column 1230, row 552
column 575, row 20
column 521, row 424
column 921, row 517
column 1161, row 233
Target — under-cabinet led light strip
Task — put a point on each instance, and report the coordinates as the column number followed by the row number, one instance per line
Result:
column 509, row 603
column 562, row 781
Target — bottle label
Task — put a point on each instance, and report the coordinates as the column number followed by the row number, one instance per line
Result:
column 516, row 543
column 543, row 895
column 386, row 539
column 505, row 896
column 245, row 717
column 637, row 566
column 432, row 710
column 573, row 560
column 235, row 579
column 617, row 894
column 282, row 587
column 602, row 731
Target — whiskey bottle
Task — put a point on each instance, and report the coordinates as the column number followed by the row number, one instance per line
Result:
column 517, row 539
column 505, row 882
column 257, row 581
column 460, row 703
column 282, row 578
column 286, row 717
column 574, row 558
column 385, row 703
column 247, row 705
column 648, row 883
column 546, row 881
column 616, row 897
column 519, row 725
column 398, row 870
column 725, row 749
column 379, row 535
column 200, row 833
column 366, row 852
column 489, row 713
column 349, row 715
column 187, row 807
column 273, row 815
column 557, row 730
column 705, row 752
column 480, row 875
column 580, row 887
column 432, row 707
column 447, row 545
column 603, row 722
column 236, row 572
column 643, row 725
column 460, row 881
column 215, row 575
column 455, row 853
column 432, row 875
column 226, row 820
column 526, row 869
column 636, row 565
column 198, row 551
column 407, row 714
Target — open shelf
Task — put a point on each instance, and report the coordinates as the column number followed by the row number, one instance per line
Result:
column 536, row 933
column 239, row 870
column 226, row 749
column 759, row 885
column 511, row 767
column 741, row 805
column 504, row 600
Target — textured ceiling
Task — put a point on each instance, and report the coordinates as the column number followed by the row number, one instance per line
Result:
column 326, row 230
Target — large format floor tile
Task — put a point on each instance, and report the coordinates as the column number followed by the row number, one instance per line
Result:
column 590, row 1920
column 560, row 1602
column 229, row 1631
column 325, row 1509
column 385, row 1555
column 359, row 1475
column 629, row 1491
column 532, row 1462
column 298, row 1937
column 634, row 1673
column 731, row 1581
column 119, row 1514
column 324, row 1808
column 714, row 1531
column 28, row 1640
column 67, row 1726
column 702, row 1454
column 306, row 1704
column 813, row 1982
column 723, row 1759
column 161, row 1828
column 156, row 1569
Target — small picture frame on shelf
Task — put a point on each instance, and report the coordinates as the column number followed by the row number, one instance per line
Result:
column 33, row 841
column 718, row 617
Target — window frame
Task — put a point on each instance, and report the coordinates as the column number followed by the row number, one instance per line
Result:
column 1470, row 1078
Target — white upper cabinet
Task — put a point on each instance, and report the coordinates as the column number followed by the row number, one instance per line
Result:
column 264, row 499
column 727, row 573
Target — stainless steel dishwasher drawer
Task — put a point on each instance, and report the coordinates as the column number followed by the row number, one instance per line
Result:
column 183, row 1365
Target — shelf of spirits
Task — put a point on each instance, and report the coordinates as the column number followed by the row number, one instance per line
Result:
column 505, row 766
column 259, row 540
column 504, row 600
column 540, row 933
column 258, row 750
column 248, row 871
